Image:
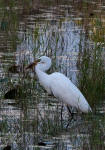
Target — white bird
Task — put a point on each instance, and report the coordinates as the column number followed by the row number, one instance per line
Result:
column 59, row 85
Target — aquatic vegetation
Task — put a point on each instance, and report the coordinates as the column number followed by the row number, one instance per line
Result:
column 62, row 30
column 91, row 78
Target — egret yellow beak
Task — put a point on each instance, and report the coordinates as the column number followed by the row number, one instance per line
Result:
column 30, row 66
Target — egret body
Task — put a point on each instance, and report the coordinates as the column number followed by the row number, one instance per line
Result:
column 59, row 85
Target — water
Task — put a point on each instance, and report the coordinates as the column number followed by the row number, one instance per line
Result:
column 72, row 34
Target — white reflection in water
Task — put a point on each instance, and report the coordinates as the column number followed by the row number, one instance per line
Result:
column 64, row 41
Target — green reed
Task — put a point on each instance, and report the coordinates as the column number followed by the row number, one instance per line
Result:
column 92, row 75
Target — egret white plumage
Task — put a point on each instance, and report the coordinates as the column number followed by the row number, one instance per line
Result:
column 59, row 85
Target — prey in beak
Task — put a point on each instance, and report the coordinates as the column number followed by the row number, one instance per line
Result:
column 30, row 66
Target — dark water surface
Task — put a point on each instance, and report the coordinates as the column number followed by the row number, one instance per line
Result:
column 72, row 33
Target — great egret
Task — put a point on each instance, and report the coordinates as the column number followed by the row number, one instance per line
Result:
column 59, row 85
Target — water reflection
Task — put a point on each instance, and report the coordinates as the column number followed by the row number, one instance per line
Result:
column 70, row 32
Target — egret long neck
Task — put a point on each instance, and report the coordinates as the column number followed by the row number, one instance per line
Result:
column 41, row 74
column 43, row 78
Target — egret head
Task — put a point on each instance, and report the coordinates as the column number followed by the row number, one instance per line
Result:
column 43, row 63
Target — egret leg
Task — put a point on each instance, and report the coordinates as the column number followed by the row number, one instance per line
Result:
column 71, row 115
column 61, row 113
column 70, row 112
column 69, row 123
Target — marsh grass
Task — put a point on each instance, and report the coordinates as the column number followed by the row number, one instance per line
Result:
column 40, row 114
column 91, row 78
column 91, row 81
